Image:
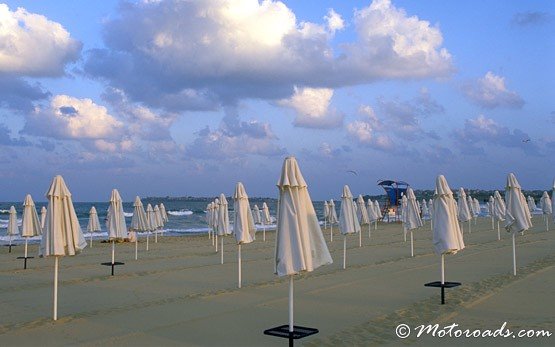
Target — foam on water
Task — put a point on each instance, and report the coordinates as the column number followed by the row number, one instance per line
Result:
column 180, row 213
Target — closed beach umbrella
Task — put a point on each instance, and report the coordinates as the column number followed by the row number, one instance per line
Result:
column 333, row 218
column 62, row 233
column 477, row 207
column 209, row 219
column 151, row 222
column 348, row 222
column 223, row 224
column 243, row 225
column 491, row 211
column 372, row 216
column 362, row 215
column 499, row 211
column 463, row 212
column 300, row 245
column 94, row 223
column 158, row 222
column 42, row 217
column 265, row 220
column 13, row 229
column 447, row 235
column 404, row 204
column 547, row 209
column 115, row 224
column 163, row 213
column 30, row 225
column 425, row 211
column 326, row 213
column 139, row 222
column 378, row 213
column 256, row 214
column 215, row 216
column 412, row 219
column 531, row 204
column 516, row 217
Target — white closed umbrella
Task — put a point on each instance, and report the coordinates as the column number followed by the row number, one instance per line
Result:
column 13, row 228
column 425, row 211
column 265, row 220
column 362, row 215
column 531, row 204
column 412, row 219
column 491, row 211
column 348, row 221
column 209, row 219
column 256, row 215
column 151, row 222
column 244, row 229
column 378, row 214
column 477, row 207
column 139, row 222
column 94, row 223
column 333, row 218
column 463, row 213
column 516, row 218
column 547, row 209
column 404, row 206
column 215, row 216
column 326, row 213
column 300, row 245
column 30, row 225
column 499, row 211
column 62, row 234
column 42, row 217
column 115, row 224
column 223, row 224
column 431, row 210
column 158, row 222
column 163, row 213
column 447, row 235
column 372, row 215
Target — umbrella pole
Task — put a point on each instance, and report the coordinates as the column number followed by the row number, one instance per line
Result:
column 156, row 236
column 55, row 313
column 91, row 240
column 26, row 239
column 431, row 224
column 113, row 251
column 498, row 232
column 369, row 231
column 10, row 246
column 136, row 245
column 264, row 233
column 239, row 263
column 405, row 233
column 492, row 224
column 546, row 223
column 291, row 326
column 213, row 238
column 344, row 250
column 376, row 224
column 442, row 269
column 514, row 256
column 222, row 250
column 147, row 237
column 360, row 238
column 216, row 238
column 411, row 245
column 331, row 232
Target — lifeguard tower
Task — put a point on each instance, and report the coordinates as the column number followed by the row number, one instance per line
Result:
column 394, row 191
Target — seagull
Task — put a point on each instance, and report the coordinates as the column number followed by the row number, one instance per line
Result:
column 353, row 172
column 526, row 141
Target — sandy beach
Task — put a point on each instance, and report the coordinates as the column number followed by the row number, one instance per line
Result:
column 178, row 293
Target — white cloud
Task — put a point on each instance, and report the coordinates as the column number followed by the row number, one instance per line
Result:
column 490, row 92
column 334, row 21
column 361, row 131
column 72, row 118
column 312, row 106
column 32, row 45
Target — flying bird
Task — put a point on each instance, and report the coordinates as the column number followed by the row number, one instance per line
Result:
column 526, row 140
column 353, row 172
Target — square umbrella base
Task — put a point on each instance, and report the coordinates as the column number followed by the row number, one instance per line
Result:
column 438, row 284
column 25, row 261
column 10, row 247
column 113, row 264
column 297, row 333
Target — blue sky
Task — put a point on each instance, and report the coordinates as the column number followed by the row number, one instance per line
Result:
column 187, row 98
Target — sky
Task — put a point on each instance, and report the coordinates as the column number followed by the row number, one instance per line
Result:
column 175, row 98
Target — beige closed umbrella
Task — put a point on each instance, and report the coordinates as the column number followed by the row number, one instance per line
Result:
column 30, row 225
column 223, row 224
column 300, row 245
column 158, row 222
column 42, row 218
column 13, row 228
column 517, row 218
column 163, row 213
column 244, row 229
column 266, row 219
column 62, row 234
column 362, row 215
column 447, row 235
column 139, row 222
column 93, row 225
column 547, row 209
column 464, row 213
column 348, row 221
column 333, row 218
column 412, row 219
column 151, row 222
column 115, row 225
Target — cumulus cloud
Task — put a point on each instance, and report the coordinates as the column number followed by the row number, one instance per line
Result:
column 490, row 92
column 363, row 133
column 486, row 131
column 19, row 95
column 186, row 55
column 33, row 45
column 234, row 139
column 71, row 118
column 312, row 107
column 530, row 18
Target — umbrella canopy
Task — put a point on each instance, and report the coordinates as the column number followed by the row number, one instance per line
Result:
column 42, row 217
column 150, row 218
column 13, row 229
column 431, row 207
column 412, row 219
column 425, row 210
column 371, row 211
column 545, row 203
column 62, row 233
column 362, row 213
column 115, row 222
column 499, row 207
column 326, row 210
column 463, row 211
column 447, row 236
column 404, row 204
column 223, row 217
column 30, row 225
column 94, row 223
column 163, row 213
column 333, row 212
column 491, row 206
column 516, row 217
column 266, row 214
column 531, row 203
column 215, row 205
column 159, row 222
column 243, row 227
column 256, row 215
column 300, row 245
column 348, row 221
column 139, row 221
column 471, row 206
column 209, row 214
column 477, row 207
column 378, row 209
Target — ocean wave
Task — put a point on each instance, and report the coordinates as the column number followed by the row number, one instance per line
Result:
column 180, row 213
column 5, row 211
column 4, row 223
column 128, row 214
